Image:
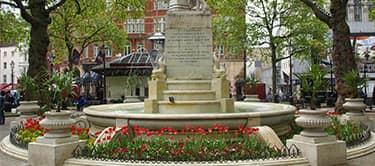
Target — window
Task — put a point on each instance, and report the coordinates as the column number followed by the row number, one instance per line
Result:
column 160, row 4
column 5, row 78
column 127, row 49
column 357, row 11
column 141, row 48
column 159, row 24
column 108, row 51
column 96, row 50
column 86, row 52
column 5, row 53
column 219, row 50
column 13, row 52
column 135, row 25
column 5, row 65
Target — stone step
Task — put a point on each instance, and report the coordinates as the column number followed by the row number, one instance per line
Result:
column 189, row 106
column 188, row 84
column 179, row 95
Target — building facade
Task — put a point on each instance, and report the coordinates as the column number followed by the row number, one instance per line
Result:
column 13, row 62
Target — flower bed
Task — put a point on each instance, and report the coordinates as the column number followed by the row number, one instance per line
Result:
column 189, row 144
column 346, row 131
column 28, row 130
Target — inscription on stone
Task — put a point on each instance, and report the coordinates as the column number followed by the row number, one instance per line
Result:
column 189, row 54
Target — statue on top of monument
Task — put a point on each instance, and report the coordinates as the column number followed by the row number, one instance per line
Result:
column 199, row 5
column 178, row 5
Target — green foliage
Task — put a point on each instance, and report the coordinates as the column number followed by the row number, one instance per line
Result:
column 229, row 26
column 98, row 21
column 12, row 27
column 313, row 81
column 28, row 85
column 59, row 86
column 309, row 36
column 346, row 131
column 354, row 81
column 189, row 144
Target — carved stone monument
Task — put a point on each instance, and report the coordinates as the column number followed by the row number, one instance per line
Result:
column 188, row 81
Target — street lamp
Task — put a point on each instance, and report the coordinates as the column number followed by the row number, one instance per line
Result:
column 244, row 67
column 102, row 55
column 364, row 73
column 12, row 73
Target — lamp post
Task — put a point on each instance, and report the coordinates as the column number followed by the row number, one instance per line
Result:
column 291, row 101
column 365, row 72
column 102, row 55
column 12, row 73
column 244, row 68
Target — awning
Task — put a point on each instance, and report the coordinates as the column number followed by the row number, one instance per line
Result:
column 5, row 87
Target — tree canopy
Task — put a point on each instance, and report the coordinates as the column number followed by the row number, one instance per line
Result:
column 97, row 21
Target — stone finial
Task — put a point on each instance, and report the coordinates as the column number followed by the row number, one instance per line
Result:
column 219, row 72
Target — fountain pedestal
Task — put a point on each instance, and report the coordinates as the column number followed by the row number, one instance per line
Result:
column 188, row 81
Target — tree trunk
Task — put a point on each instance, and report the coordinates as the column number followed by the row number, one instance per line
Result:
column 70, row 58
column 37, row 52
column 343, row 56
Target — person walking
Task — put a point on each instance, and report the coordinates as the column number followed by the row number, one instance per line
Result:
column 2, row 103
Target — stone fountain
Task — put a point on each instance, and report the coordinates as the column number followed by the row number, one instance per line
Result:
column 190, row 86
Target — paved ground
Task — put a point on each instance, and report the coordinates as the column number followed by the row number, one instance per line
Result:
column 5, row 160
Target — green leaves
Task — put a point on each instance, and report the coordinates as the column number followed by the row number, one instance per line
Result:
column 354, row 81
column 98, row 21
column 59, row 86
column 313, row 81
column 12, row 27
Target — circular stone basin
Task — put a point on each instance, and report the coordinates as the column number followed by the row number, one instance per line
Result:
column 248, row 114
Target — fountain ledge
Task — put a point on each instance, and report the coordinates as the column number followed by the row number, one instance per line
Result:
column 248, row 114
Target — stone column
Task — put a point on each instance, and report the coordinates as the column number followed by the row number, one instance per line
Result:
column 315, row 144
column 57, row 144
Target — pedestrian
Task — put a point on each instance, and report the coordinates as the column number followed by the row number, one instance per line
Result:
column 2, row 103
column 8, row 102
column 269, row 95
column 81, row 103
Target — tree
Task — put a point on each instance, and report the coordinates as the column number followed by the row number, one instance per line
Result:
column 280, row 25
column 37, row 14
column 12, row 27
column 229, row 26
column 343, row 57
column 96, row 21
